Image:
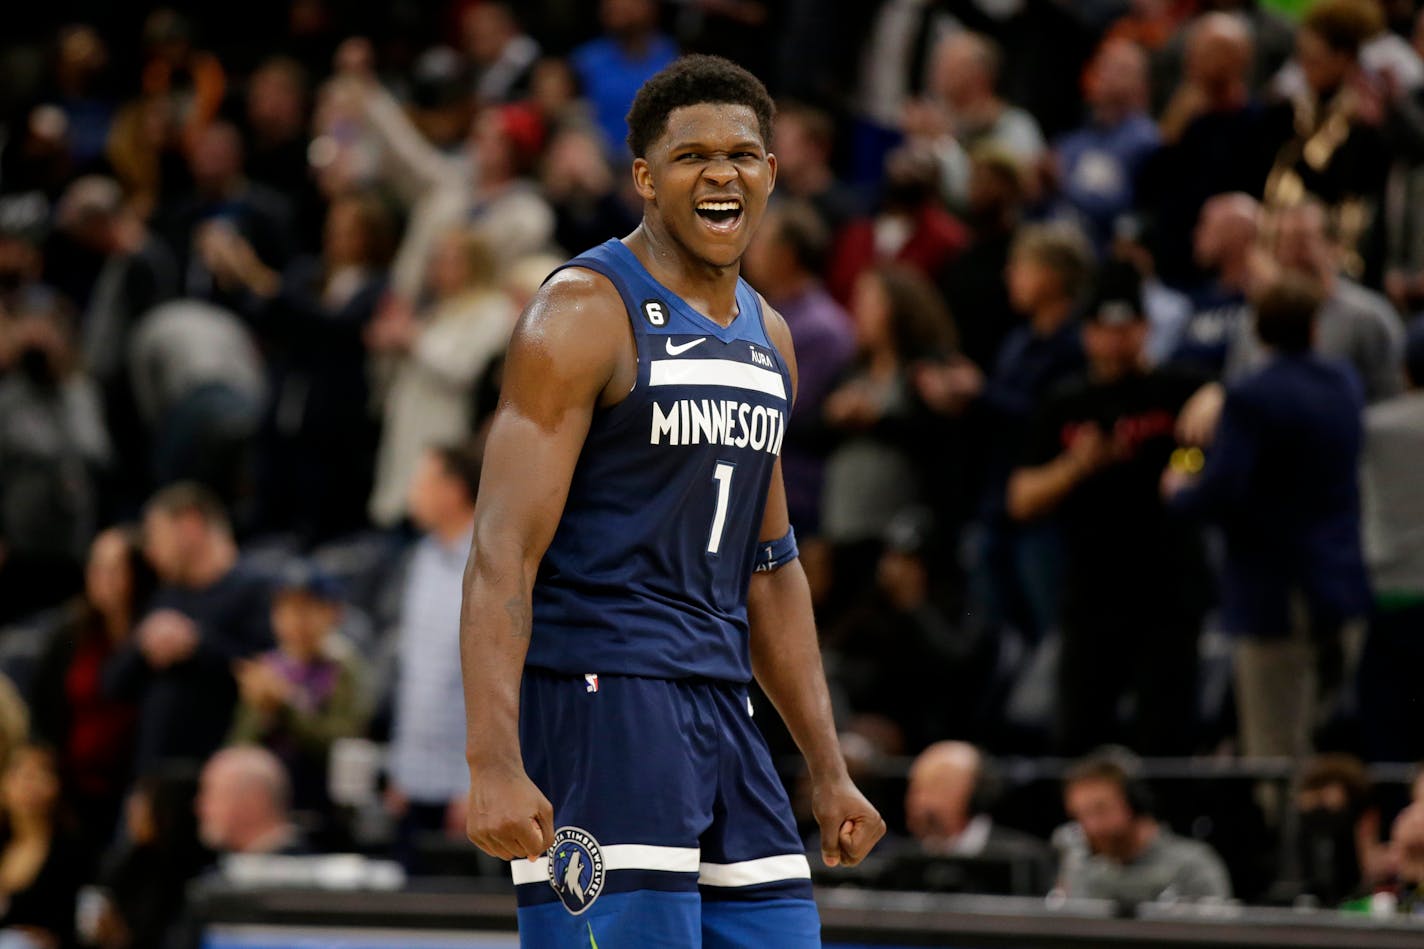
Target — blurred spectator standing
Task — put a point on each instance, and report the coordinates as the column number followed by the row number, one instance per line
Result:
column 207, row 613
column 439, row 359
column 426, row 763
column 92, row 734
column 1225, row 247
column 804, row 140
column 784, row 262
column 1048, row 275
column 318, row 441
column 1282, row 479
column 909, row 226
column 590, row 203
column 1115, row 849
column 1098, row 163
column 1272, row 33
column 965, row 111
column 300, row 698
column 612, row 67
column 1333, row 148
column 277, row 107
column 53, row 449
column 199, row 388
column 80, row 84
column 1393, row 523
column 1355, row 324
column 1134, row 586
column 885, row 433
column 502, row 53
column 1213, row 141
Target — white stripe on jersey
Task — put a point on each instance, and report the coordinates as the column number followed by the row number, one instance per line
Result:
column 716, row 372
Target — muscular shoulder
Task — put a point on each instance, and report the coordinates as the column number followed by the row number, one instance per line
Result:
column 573, row 334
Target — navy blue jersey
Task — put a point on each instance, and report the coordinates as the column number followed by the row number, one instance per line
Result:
column 648, row 571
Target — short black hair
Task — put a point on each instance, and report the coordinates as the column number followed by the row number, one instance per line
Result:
column 461, row 461
column 801, row 229
column 183, row 497
column 692, row 80
column 1285, row 312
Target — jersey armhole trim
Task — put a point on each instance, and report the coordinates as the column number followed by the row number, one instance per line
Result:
column 612, row 413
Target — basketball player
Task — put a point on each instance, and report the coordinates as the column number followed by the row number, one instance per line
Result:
column 633, row 568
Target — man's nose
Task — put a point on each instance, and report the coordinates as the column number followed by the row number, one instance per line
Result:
column 720, row 170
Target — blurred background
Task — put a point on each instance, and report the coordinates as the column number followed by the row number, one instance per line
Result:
column 1104, row 463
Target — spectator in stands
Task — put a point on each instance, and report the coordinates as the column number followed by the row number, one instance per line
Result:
column 1338, row 844
column 1134, row 586
column 590, row 203
column 974, row 282
column 502, row 53
column 1344, row 167
column 428, row 777
column 909, row 227
column 486, row 188
column 207, row 612
column 1393, row 525
column 784, row 262
column 53, row 449
column 1354, row 324
column 302, row 697
column 1097, row 165
column 1050, row 268
column 1272, row 32
column 276, row 112
column 951, row 790
column 902, row 643
column 92, row 734
column 611, row 68
column 318, row 441
column 1115, row 849
column 1213, row 141
column 1224, row 246
column 1282, row 480
column 44, row 866
column 81, row 85
column 243, row 804
column 198, row 386
column 804, row 139
column 966, row 111
column 223, row 197
column 437, row 361
column 145, row 878
column 881, row 461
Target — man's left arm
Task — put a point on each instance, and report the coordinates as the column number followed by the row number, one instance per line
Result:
column 786, row 660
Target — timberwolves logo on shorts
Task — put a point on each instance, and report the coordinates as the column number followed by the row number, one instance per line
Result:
column 575, row 868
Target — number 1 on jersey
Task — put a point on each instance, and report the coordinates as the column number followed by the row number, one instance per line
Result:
column 722, row 474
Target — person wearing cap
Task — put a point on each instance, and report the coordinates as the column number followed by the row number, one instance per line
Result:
column 299, row 698
column 1393, row 527
column 1134, row 586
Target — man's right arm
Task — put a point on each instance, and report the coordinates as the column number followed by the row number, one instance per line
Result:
column 563, row 359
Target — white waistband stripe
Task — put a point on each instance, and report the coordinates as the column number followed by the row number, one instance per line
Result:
column 715, row 372
column 791, row 866
column 618, row 857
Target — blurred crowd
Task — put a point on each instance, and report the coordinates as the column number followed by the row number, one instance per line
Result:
column 1107, row 432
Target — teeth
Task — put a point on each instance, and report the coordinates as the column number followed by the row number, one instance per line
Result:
column 719, row 206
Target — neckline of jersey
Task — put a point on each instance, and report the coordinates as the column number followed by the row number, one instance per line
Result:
column 724, row 333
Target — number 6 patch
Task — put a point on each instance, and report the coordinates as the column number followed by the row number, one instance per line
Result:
column 655, row 312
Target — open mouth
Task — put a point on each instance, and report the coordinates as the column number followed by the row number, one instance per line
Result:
column 720, row 215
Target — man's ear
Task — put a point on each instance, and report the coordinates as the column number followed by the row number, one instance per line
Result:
column 771, row 164
column 643, row 180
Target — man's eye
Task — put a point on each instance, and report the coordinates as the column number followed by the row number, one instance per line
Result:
column 740, row 155
column 690, row 156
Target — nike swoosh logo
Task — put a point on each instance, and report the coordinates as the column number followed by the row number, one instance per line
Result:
column 679, row 350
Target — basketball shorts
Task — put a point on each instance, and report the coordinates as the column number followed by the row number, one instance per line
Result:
column 671, row 826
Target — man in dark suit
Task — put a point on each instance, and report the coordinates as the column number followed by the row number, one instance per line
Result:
column 1281, row 478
